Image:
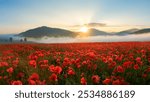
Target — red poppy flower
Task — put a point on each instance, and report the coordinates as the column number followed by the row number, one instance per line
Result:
column 138, row 59
column 32, row 82
column 53, row 77
column 1, row 77
column 148, row 59
column 91, row 54
column 110, row 60
column 127, row 64
column 116, row 82
column 32, row 63
column 20, row 75
column 120, row 69
column 18, row 82
column 10, row 70
column 136, row 67
column 107, row 81
column 56, row 70
column 34, row 76
column 144, row 75
column 45, row 61
column 70, row 71
column 83, row 81
column 95, row 79
column 147, row 70
column 15, row 62
column 3, row 64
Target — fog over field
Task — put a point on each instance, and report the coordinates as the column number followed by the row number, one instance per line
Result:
column 111, row 38
column 115, row 38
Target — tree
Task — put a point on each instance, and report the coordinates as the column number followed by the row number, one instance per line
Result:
column 10, row 39
column 21, row 40
column 25, row 39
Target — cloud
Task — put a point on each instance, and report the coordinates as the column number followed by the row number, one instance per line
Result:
column 91, row 25
column 95, row 24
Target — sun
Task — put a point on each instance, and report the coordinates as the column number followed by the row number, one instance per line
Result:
column 84, row 29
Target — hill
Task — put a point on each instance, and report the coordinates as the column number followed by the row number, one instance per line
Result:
column 57, row 32
column 146, row 30
column 47, row 31
column 126, row 32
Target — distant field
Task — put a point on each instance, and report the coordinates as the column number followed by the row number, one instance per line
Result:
column 120, row 63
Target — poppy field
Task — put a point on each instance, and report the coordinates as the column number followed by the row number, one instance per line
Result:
column 118, row 63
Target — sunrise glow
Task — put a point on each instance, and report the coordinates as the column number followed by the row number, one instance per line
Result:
column 84, row 29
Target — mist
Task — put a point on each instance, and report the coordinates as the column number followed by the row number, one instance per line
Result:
column 115, row 38
column 109, row 38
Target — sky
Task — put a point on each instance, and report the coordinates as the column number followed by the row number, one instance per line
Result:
column 108, row 15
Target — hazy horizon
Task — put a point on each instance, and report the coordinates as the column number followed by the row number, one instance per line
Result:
column 108, row 38
column 106, row 15
column 139, row 28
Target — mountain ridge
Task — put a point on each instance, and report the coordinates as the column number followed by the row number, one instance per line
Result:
column 46, row 31
column 141, row 31
column 58, row 32
column 128, row 31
